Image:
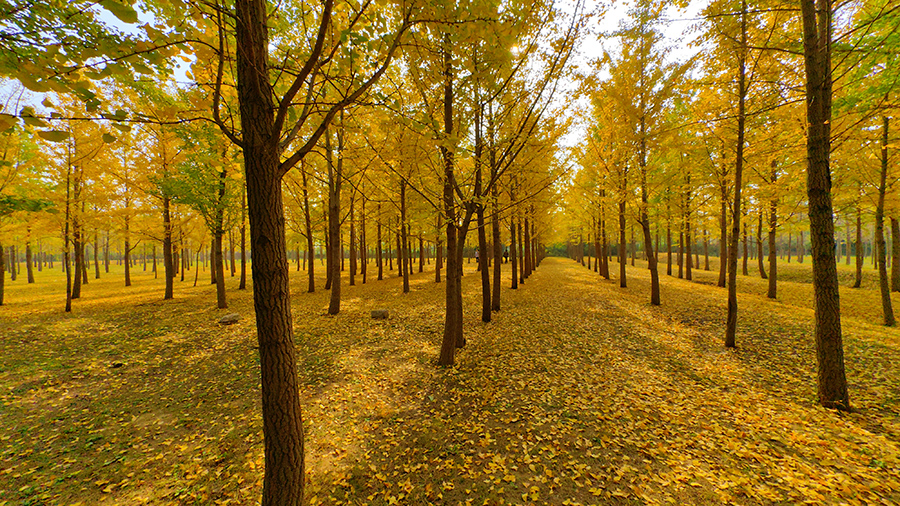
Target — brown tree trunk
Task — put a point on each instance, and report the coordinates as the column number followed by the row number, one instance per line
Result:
column 498, row 246
column 218, row 234
column 622, row 241
column 379, row 259
column 219, row 266
column 731, row 322
column 335, row 179
column 723, row 234
column 773, row 228
column 514, row 264
column 668, row 241
column 403, row 245
column 282, row 425
column 168, row 260
column 453, row 334
column 526, row 246
column 604, row 262
column 881, row 245
column 243, row 282
column 746, row 256
column 895, row 255
column 759, row 246
column 3, row 278
column 363, row 247
column 352, row 239
column 29, row 270
column 520, row 252
column 859, row 248
column 706, row 250
column 817, row 26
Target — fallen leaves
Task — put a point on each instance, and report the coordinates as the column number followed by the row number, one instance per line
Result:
column 578, row 393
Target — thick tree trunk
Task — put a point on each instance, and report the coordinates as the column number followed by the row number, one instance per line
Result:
column 832, row 382
column 282, row 425
column 881, row 245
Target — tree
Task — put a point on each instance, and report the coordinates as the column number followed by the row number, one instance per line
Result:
column 817, row 16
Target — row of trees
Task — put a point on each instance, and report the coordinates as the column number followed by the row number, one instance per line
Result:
column 403, row 120
column 712, row 150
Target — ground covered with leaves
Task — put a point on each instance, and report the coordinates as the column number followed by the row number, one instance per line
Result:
column 579, row 392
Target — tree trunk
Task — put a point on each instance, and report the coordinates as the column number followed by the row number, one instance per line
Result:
column 731, row 323
column 895, row 255
column 168, row 261
column 514, row 264
column 773, row 256
column 3, row 278
column 243, row 283
column 622, row 241
column 282, row 425
column 859, row 248
column 352, row 239
column 668, row 241
column 881, row 245
column 335, row 179
column 28, row 268
column 498, row 246
column 746, row 256
column 404, row 244
column 723, row 233
column 378, row 255
column 128, row 250
column 218, row 233
column 817, row 26
column 520, row 252
column 219, row 266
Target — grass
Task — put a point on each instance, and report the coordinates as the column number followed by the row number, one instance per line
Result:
column 579, row 392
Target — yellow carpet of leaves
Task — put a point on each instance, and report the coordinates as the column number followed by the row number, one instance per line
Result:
column 579, row 392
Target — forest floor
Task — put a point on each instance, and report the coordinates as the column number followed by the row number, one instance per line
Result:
column 579, row 392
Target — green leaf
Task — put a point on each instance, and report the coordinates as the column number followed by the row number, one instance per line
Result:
column 53, row 135
column 123, row 11
column 122, row 127
column 109, row 138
